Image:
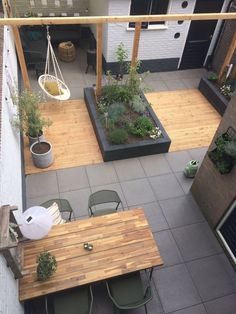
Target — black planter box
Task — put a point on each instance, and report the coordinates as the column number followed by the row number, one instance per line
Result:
column 212, row 94
column 115, row 152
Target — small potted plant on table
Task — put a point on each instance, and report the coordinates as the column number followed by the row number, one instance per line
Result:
column 47, row 265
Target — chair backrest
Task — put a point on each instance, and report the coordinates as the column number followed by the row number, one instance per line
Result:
column 63, row 205
column 103, row 197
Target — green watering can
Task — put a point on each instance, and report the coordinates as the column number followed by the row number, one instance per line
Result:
column 191, row 168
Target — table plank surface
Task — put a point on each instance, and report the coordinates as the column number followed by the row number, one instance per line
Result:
column 122, row 243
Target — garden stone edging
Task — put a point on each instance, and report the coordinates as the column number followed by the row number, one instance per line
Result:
column 115, row 152
column 217, row 100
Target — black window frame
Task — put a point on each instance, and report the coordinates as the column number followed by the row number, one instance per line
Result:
column 145, row 7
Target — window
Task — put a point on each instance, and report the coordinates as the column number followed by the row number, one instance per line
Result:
column 148, row 7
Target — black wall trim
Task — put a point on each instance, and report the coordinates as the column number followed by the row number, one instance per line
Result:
column 152, row 65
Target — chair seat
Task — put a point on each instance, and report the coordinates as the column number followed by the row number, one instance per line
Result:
column 102, row 212
column 127, row 290
column 72, row 302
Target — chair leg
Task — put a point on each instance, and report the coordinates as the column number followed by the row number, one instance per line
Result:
column 145, row 305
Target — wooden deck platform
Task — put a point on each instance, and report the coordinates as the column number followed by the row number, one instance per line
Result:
column 185, row 114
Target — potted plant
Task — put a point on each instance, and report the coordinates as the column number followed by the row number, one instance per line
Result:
column 30, row 121
column 47, row 265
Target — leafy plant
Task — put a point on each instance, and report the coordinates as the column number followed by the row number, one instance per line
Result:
column 138, row 104
column 134, row 80
column 212, row 77
column 115, row 112
column 118, row 136
column 230, row 148
column 47, row 265
column 141, row 126
column 155, row 133
column 122, row 56
column 29, row 118
column 116, row 93
column 226, row 90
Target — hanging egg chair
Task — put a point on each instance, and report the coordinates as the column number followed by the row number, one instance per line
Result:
column 53, row 86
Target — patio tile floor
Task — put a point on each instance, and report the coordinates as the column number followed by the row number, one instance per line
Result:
column 196, row 277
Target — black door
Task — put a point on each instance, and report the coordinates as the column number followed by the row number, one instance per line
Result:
column 200, row 35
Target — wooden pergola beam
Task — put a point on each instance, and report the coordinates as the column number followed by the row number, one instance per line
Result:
column 116, row 19
column 136, row 43
column 99, row 59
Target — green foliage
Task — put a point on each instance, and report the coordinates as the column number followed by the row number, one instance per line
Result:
column 29, row 118
column 121, row 55
column 47, row 265
column 115, row 112
column 227, row 90
column 138, row 104
column 141, row 126
column 212, row 77
column 118, row 136
column 116, row 93
column 135, row 81
column 230, row 148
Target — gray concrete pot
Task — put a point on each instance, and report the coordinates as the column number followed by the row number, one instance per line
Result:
column 32, row 140
column 41, row 160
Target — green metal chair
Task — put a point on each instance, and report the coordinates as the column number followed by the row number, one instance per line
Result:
column 74, row 301
column 103, row 197
column 129, row 291
column 63, row 205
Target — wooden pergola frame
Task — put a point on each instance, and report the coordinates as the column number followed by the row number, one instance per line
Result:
column 99, row 21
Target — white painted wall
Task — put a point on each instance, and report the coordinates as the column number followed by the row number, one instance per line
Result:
column 100, row 8
column 154, row 44
column 10, row 173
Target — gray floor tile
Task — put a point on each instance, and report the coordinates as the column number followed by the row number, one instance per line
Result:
column 137, row 192
column 41, row 184
column 178, row 160
column 196, row 241
column 181, row 211
column 185, row 182
column 78, row 200
column 154, row 165
column 169, row 75
column 197, row 309
column 72, row 179
column 210, row 277
column 40, row 199
column 191, row 83
column 157, row 86
column 166, row 186
column 225, row 305
column 175, row 84
column 155, row 216
column 129, row 169
column 101, row 174
column 175, row 288
column 115, row 187
column 168, row 248
column 198, row 153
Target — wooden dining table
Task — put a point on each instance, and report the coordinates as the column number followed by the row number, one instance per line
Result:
column 122, row 243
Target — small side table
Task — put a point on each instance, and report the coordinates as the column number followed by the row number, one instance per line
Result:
column 91, row 59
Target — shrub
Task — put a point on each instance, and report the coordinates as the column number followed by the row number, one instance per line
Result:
column 115, row 112
column 230, row 148
column 116, row 93
column 118, row 136
column 141, row 127
column 138, row 104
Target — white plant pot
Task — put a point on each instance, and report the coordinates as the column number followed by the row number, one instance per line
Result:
column 32, row 140
column 41, row 160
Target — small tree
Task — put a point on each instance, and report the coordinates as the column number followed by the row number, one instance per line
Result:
column 47, row 265
column 122, row 56
column 29, row 118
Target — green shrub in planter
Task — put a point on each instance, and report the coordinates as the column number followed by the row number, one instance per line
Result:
column 118, row 136
column 47, row 265
column 141, row 127
column 230, row 148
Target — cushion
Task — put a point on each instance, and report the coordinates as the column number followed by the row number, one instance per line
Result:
column 56, row 215
column 53, row 89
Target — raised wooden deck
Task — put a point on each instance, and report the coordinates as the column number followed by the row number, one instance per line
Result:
column 185, row 114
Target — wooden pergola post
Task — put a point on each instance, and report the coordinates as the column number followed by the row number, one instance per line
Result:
column 228, row 58
column 136, row 43
column 19, row 48
column 99, row 59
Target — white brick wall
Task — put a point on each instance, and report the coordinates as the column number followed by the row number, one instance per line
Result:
column 154, row 44
column 10, row 174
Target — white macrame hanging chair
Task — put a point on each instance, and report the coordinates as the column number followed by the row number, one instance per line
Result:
column 63, row 90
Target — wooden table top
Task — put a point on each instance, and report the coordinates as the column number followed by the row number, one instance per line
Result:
column 122, row 243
